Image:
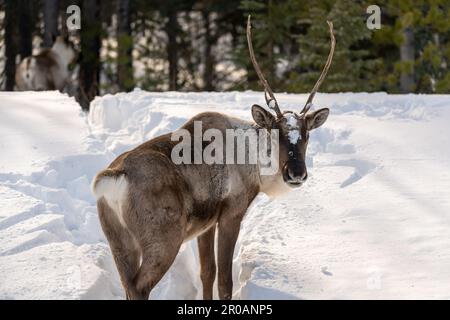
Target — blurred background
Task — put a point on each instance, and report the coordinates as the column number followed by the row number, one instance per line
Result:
column 186, row 45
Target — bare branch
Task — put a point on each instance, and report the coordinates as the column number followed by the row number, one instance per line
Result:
column 268, row 93
column 324, row 71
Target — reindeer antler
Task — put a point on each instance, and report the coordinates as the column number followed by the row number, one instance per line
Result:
column 324, row 71
column 268, row 93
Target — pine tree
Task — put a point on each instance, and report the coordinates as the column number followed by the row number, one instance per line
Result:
column 124, row 46
column 50, row 8
column 2, row 45
column 271, row 23
column 150, row 49
column 353, row 65
column 90, row 66
column 10, row 42
column 26, row 27
column 432, row 63
column 429, row 29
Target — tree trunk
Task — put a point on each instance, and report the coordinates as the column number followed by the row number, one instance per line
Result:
column 89, row 74
column 208, row 74
column 63, row 4
column 26, row 24
column 407, row 56
column 51, row 10
column 10, row 44
column 125, row 47
column 270, row 47
column 172, row 28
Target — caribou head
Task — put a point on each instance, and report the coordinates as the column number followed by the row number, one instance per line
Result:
column 294, row 127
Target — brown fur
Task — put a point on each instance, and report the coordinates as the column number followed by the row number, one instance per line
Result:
column 167, row 204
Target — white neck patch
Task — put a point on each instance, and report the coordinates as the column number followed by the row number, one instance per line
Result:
column 64, row 52
column 294, row 132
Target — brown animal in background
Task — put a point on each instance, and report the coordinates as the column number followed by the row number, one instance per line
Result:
column 148, row 206
column 48, row 70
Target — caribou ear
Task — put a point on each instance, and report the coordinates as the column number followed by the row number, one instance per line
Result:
column 262, row 117
column 317, row 118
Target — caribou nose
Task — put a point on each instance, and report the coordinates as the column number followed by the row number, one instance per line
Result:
column 297, row 176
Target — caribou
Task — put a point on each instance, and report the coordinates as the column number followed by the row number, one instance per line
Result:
column 149, row 206
column 47, row 70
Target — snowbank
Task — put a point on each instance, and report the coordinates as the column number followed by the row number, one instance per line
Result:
column 372, row 221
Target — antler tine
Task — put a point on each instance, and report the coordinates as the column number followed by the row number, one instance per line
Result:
column 324, row 71
column 268, row 93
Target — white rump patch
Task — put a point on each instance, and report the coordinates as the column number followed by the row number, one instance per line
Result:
column 114, row 190
column 294, row 132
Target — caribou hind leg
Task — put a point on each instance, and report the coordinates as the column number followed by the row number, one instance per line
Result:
column 155, row 214
column 125, row 250
column 157, row 258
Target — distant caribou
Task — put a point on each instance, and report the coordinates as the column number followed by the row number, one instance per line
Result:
column 148, row 205
column 48, row 70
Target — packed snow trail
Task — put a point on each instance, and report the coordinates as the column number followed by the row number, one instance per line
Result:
column 371, row 222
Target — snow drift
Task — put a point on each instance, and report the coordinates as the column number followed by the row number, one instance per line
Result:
column 371, row 222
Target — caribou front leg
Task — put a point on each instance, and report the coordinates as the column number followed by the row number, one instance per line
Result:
column 207, row 261
column 229, row 226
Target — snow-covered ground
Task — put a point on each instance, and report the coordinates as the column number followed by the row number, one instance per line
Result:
column 373, row 220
